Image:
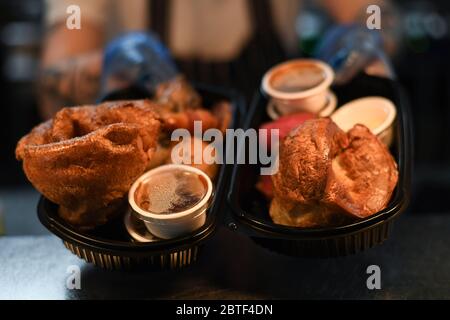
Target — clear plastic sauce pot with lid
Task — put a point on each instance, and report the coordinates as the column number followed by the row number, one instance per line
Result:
column 171, row 200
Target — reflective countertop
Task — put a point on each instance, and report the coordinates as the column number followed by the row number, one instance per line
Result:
column 414, row 264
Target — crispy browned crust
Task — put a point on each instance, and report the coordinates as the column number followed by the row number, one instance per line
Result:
column 363, row 176
column 327, row 176
column 305, row 156
column 87, row 157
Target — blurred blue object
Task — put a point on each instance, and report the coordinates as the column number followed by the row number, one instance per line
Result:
column 348, row 49
column 136, row 59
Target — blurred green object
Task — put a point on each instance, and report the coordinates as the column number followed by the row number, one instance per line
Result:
column 311, row 23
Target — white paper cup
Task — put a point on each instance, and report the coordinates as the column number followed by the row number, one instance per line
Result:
column 274, row 114
column 376, row 113
column 172, row 225
column 313, row 79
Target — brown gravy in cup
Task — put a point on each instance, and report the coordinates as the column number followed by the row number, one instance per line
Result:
column 170, row 192
column 297, row 78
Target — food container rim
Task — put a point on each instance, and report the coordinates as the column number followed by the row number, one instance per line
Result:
column 267, row 87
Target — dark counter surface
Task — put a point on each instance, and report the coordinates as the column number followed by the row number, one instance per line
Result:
column 414, row 262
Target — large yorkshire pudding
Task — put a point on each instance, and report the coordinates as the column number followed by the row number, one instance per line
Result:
column 87, row 157
column 327, row 177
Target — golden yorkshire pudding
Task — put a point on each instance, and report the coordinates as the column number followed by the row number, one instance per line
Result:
column 87, row 157
column 327, row 177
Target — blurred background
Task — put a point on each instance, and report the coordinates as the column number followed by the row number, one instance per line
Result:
column 418, row 47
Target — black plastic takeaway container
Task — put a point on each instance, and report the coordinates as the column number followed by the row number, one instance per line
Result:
column 250, row 213
column 111, row 247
